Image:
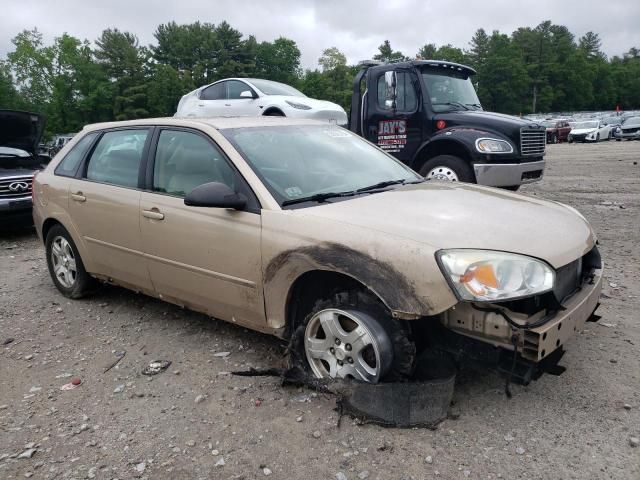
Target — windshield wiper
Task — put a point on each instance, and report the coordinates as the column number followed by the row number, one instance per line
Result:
column 475, row 105
column 318, row 197
column 387, row 183
column 455, row 104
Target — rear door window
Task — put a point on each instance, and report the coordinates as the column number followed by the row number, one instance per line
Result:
column 69, row 164
column 217, row 91
column 117, row 157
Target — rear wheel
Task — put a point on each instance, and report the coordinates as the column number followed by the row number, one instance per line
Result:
column 352, row 335
column 65, row 265
column 447, row 168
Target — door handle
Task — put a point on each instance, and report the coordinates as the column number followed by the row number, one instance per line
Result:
column 78, row 197
column 227, row 104
column 201, row 104
column 154, row 214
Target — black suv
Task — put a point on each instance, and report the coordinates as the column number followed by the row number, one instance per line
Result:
column 20, row 134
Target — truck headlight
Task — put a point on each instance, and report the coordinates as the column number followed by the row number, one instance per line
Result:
column 491, row 276
column 299, row 106
column 493, row 145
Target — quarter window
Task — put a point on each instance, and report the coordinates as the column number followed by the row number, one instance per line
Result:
column 116, row 159
column 185, row 160
column 69, row 164
column 406, row 100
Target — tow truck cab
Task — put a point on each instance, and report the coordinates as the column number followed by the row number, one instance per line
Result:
column 427, row 114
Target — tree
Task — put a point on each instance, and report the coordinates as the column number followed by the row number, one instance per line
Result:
column 387, row 54
column 331, row 59
column 125, row 62
column 427, row 51
column 31, row 63
column 9, row 97
column 591, row 45
column 279, row 61
column 479, row 50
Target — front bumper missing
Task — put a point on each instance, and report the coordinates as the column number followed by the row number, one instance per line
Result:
column 534, row 344
column 508, row 174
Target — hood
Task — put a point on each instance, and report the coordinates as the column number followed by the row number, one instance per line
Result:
column 443, row 215
column 311, row 102
column 583, row 131
column 506, row 125
column 22, row 130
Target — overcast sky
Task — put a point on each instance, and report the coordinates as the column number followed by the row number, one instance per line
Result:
column 356, row 27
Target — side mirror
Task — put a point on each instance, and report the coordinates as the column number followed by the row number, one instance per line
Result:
column 216, row 195
column 246, row 94
column 390, row 87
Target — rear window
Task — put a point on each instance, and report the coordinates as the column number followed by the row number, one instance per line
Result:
column 69, row 164
column 116, row 159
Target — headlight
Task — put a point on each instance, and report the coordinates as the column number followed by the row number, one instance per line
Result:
column 490, row 276
column 299, row 106
column 493, row 145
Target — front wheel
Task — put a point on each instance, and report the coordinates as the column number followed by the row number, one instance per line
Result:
column 554, row 139
column 352, row 336
column 447, row 168
column 597, row 138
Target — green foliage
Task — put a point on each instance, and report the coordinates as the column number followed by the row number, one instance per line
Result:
column 74, row 83
column 387, row 54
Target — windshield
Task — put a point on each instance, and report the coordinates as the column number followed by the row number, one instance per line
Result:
column 295, row 162
column 583, row 125
column 549, row 124
column 450, row 91
column 632, row 121
column 275, row 88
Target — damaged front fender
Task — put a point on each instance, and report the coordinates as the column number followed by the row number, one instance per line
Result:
column 409, row 283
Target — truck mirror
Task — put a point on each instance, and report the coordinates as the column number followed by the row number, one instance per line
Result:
column 390, row 84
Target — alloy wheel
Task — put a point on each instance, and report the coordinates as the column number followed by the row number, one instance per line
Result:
column 340, row 344
column 64, row 262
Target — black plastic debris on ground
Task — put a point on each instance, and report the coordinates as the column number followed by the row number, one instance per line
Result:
column 156, row 367
column 421, row 401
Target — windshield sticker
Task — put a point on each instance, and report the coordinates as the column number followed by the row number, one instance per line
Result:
column 392, row 135
column 293, row 192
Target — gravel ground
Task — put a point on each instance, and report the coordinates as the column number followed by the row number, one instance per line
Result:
column 196, row 421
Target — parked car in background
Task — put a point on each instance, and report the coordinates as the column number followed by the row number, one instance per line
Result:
column 307, row 231
column 256, row 97
column 20, row 134
column 630, row 129
column 557, row 130
column 589, row 131
column 58, row 142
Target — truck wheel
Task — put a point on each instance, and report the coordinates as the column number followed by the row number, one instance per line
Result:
column 352, row 335
column 447, row 168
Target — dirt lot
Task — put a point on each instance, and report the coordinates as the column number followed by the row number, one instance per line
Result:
column 196, row 421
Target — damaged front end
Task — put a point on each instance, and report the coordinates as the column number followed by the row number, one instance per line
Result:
column 528, row 335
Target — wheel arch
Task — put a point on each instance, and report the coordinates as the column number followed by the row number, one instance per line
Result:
column 314, row 285
column 50, row 222
column 444, row 146
column 273, row 111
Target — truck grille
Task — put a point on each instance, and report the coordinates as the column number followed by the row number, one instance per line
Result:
column 533, row 141
column 15, row 187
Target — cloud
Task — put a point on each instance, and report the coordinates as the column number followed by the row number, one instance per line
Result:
column 356, row 27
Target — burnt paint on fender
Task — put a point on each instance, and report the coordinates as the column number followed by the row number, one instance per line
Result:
column 395, row 290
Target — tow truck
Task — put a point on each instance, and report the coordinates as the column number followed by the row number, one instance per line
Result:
column 427, row 114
